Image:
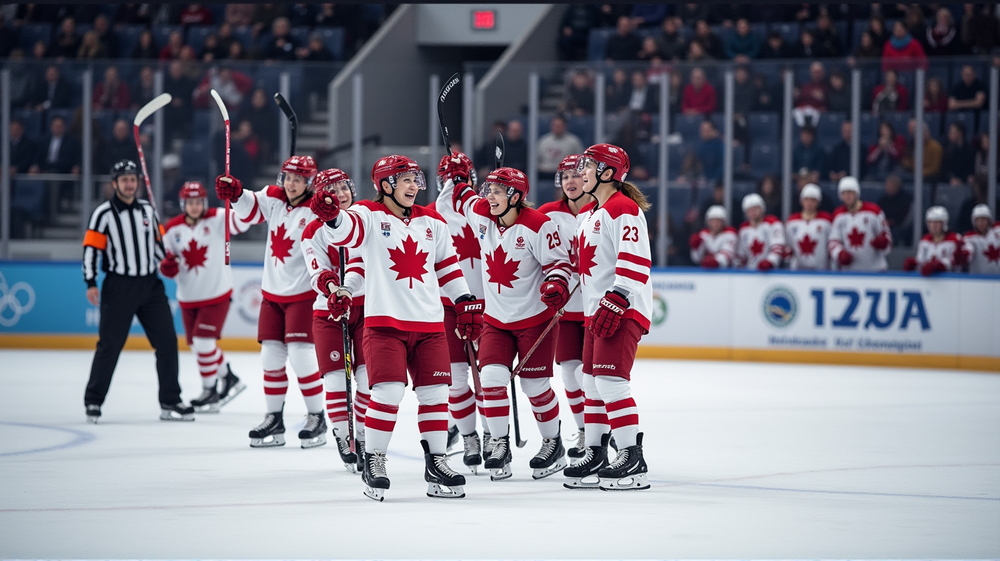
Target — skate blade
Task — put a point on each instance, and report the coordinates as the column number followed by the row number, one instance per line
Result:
column 233, row 392
column 630, row 483
column 499, row 474
column 92, row 420
column 209, row 408
column 589, row 482
column 437, row 491
column 375, row 494
column 314, row 442
column 474, row 469
column 351, row 468
column 541, row 473
column 268, row 441
column 174, row 416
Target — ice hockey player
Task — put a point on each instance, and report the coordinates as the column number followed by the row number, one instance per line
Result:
column 762, row 237
column 807, row 233
column 618, row 298
column 939, row 251
column 196, row 259
column 569, row 341
column 859, row 236
column 335, row 303
column 714, row 247
column 463, row 399
column 284, row 327
column 982, row 243
column 409, row 261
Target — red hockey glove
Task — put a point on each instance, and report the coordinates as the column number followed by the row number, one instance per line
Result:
column 469, row 318
column 169, row 266
column 228, row 188
column 931, row 267
column 609, row 314
column 326, row 278
column 454, row 168
column 325, row 206
column 961, row 257
column 845, row 258
column 710, row 262
column 765, row 265
column 881, row 241
column 910, row 264
column 694, row 241
column 457, row 193
column 339, row 303
column 555, row 292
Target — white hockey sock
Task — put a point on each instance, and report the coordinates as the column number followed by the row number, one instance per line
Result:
column 381, row 418
column 496, row 402
column 622, row 412
column 335, row 385
column 572, row 374
column 461, row 399
column 209, row 359
column 544, row 405
column 595, row 418
column 273, row 355
column 362, row 398
column 432, row 416
column 302, row 356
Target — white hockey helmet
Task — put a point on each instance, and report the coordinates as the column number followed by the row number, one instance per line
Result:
column 811, row 191
column 848, row 183
column 752, row 200
column 937, row 214
column 716, row 211
column 982, row 211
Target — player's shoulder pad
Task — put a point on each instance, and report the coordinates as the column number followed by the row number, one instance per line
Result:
column 746, row 224
column 418, row 211
column 311, row 229
column 276, row 192
column 771, row 219
column 175, row 221
column 970, row 233
column 432, row 206
column 482, row 207
column 927, row 238
column 532, row 219
column 870, row 207
column 554, row 206
column 796, row 216
column 620, row 205
column 952, row 237
column 729, row 229
column 590, row 206
column 825, row 215
column 839, row 210
column 371, row 205
column 211, row 212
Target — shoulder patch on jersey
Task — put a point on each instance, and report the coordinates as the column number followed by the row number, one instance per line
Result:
column 311, row 229
column 619, row 204
column 276, row 192
column 532, row 219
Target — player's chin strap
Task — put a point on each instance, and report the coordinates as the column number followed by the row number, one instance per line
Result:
column 600, row 171
column 509, row 207
column 407, row 210
column 305, row 196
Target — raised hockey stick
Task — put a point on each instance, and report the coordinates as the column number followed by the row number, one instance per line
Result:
column 225, row 119
column 499, row 153
column 293, row 121
column 154, row 105
column 448, row 86
column 552, row 323
column 348, row 360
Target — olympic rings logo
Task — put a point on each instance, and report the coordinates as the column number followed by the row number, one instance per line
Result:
column 15, row 301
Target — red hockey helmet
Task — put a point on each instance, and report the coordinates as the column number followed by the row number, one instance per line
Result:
column 193, row 190
column 391, row 167
column 606, row 156
column 569, row 163
column 328, row 179
column 446, row 165
column 299, row 165
column 509, row 179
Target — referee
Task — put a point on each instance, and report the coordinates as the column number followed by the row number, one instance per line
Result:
column 125, row 232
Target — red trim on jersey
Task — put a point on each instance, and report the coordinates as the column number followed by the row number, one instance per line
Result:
column 572, row 316
column 556, row 206
column 865, row 205
column 278, row 299
column 253, row 212
column 453, row 260
column 311, row 229
column 619, row 205
column 542, row 316
column 633, row 258
column 404, row 325
column 210, row 302
column 456, row 274
column 629, row 273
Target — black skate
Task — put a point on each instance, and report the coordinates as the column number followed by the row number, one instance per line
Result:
column 627, row 472
column 374, row 476
column 229, row 386
column 487, row 444
column 313, row 434
column 551, row 458
column 473, row 454
column 269, row 433
column 207, row 402
column 93, row 413
column 452, row 437
column 359, row 451
column 177, row 412
column 442, row 481
column 579, row 448
column 583, row 474
column 349, row 458
column 500, row 458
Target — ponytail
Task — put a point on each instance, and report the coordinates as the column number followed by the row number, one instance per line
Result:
column 633, row 192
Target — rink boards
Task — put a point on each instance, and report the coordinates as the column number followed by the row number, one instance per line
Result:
column 892, row 319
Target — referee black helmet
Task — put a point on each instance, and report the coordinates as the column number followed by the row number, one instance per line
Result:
column 124, row 167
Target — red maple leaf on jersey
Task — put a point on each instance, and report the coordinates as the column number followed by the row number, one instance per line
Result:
column 281, row 245
column 856, row 238
column 756, row 248
column 587, row 255
column 466, row 245
column 992, row 253
column 194, row 256
column 574, row 251
column 502, row 271
column 807, row 245
column 409, row 262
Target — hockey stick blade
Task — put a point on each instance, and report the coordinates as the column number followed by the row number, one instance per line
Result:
column 498, row 155
column 293, row 121
column 448, row 86
column 153, row 106
column 221, row 104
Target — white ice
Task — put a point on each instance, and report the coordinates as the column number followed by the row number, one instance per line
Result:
column 746, row 460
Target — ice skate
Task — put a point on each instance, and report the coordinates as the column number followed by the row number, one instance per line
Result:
column 349, row 458
column 269, row 433
column 442, row 481
column 374, row 476
column 177, row 412
column 313, row 434
column 487, row 444
column 627, row 472
column 579, row 448
column 229, row 387
column 452, row 437
column 499, row 460
column 93, row 413
column 551, row 458
column 207, row 402
column 473, row 454
column 359, row 451
column 583, row 474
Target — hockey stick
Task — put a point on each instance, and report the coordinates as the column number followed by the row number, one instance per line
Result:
column 552, row 323
column 348, row 361
column 293, row 121
column 154, row 105
column 498, row 155
column 449, row 85
column 225, row 118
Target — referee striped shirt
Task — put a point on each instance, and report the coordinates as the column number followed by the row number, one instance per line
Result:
column 127, row 236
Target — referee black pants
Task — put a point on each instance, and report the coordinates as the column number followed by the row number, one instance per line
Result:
column 122, row 298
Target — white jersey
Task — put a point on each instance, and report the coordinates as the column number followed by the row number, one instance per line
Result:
column 765, row 241
column 567, row 222
column 614, row 252
column 409, row 263
column 518, row 260
column 470, row 257
column 984, row 251
column 321, row 255
column 943, row 251
column 285, row 277
column 854, row 232
column 722, row 246
column 203, row 278
column 808, row 241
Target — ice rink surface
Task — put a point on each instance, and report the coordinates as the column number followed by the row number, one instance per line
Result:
column 746, row 461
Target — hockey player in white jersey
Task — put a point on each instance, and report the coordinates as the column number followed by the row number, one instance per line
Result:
column 807, row 233
column 762, row 237
column 195, row 245
column 618, row 299
column 714, row 247
column 527, row 280
column 859, row 236
column 939, row 251
column 982, row 243
column 334, row 303
column 284, row 327
column 409, row 262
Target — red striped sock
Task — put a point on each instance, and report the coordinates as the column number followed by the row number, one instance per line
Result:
column 624, row 419
column 545, row 408
column 595, row 421
column 379, row 424
column 275, row 388
column 432, row 422
column 462, row 407
column 496, row 407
